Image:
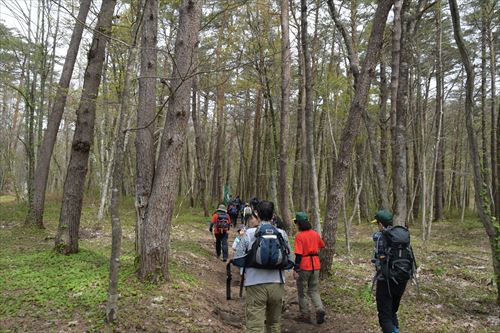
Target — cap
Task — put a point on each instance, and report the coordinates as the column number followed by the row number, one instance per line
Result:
column 383, row 216
column 300, row 216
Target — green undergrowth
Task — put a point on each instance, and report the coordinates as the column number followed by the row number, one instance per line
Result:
column 38, row 286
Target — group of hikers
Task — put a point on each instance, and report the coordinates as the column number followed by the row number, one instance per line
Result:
column 263, row 253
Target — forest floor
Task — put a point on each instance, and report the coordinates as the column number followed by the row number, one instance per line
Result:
column 41, row 291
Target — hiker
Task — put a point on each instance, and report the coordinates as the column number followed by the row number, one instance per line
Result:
column 306, row 270
column 233, row 213
column 278, row 222
column 265, row 286
column 247, row 213
column 219, row 226
column 395, row 265
column 241, row 232
column 254, row 202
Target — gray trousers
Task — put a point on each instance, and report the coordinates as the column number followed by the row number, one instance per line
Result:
column 309, row 281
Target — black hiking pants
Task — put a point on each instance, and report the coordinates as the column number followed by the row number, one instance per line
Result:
column 234, row 219
column 388, row 304
column 221, row 245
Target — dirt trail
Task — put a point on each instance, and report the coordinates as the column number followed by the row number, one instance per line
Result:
column 231, row 312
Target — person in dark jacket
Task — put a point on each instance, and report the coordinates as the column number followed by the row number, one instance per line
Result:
column 388, row 293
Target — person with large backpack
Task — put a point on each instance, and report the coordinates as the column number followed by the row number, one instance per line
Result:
column 395, row 265
column 264, row 253
column 219, row 226
column 306, row 271
column 233, row 213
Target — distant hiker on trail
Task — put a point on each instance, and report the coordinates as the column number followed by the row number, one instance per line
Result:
column 306, row 270
column 264, row 271
column 254, row 201
column 219, row 225
column 247, row 213
column 233, row 213
column 241, row 233
column 395, row 265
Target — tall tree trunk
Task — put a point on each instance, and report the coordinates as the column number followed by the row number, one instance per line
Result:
column 383, row 124
column 66, row 240
column 283, row 191
column 144, row 139
column 35, row 212
column 349, row 133
column 491, row 226
column 495, row 118
column 311, row 160
column 399, row 167
column 199, row 148
column 254, row 171
column 439, row 146
column 153, row 265
column 119, row 149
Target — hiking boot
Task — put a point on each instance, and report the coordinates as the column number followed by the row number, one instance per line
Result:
column 320, row 317
column 302, row 318
column 395, row 329
column 224, row 260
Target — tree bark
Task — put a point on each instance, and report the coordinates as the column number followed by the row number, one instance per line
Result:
column 399, row 165
column 35, row 212
column 119, row 149
column 66, row 240
column 144, row 139
column 283, row 192
column 311, row 160
column 199, row 148
column 153, row 265
column 491, row 226
column 349, row 133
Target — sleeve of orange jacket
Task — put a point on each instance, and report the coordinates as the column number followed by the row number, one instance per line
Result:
column 321, row 243
column 298, row 245
column 214, row 218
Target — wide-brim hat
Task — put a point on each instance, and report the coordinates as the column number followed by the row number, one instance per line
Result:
column 222, row 208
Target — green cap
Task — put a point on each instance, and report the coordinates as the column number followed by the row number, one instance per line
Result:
column 300, row 216
column 383, row 216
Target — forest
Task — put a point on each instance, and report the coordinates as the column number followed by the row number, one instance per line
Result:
column 124, row 124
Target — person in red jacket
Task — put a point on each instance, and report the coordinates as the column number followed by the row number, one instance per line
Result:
column 306, row 271
column 219, row 226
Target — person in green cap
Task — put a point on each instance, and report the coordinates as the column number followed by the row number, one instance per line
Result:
column 388, row 293
column 306, row 270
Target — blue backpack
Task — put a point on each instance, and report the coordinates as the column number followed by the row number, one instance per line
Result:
column 269, row 250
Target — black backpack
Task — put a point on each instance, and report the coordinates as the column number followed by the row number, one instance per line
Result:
column 222, row 224
column 399, row 264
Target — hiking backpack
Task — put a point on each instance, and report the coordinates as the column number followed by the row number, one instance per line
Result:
column 222, row 224
column 399, row 264
column 233, row 210
column 269, row 250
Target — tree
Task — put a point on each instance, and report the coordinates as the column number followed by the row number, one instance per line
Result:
column 285, row 119
column 153, row 264
column 311, row 160
column 491, row 226
column 144, row 140
column 66, row 240
column 349, row 133
column 36, row 207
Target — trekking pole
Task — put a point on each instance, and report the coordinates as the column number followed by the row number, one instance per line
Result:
column 242, row 282
column 228, row 280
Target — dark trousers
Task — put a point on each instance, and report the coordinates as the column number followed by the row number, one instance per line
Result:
column 234, row 219
column 221, row 245
column 388, row 304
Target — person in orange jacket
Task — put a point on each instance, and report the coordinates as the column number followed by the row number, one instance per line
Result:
column 219, row 226
column 306, row 270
